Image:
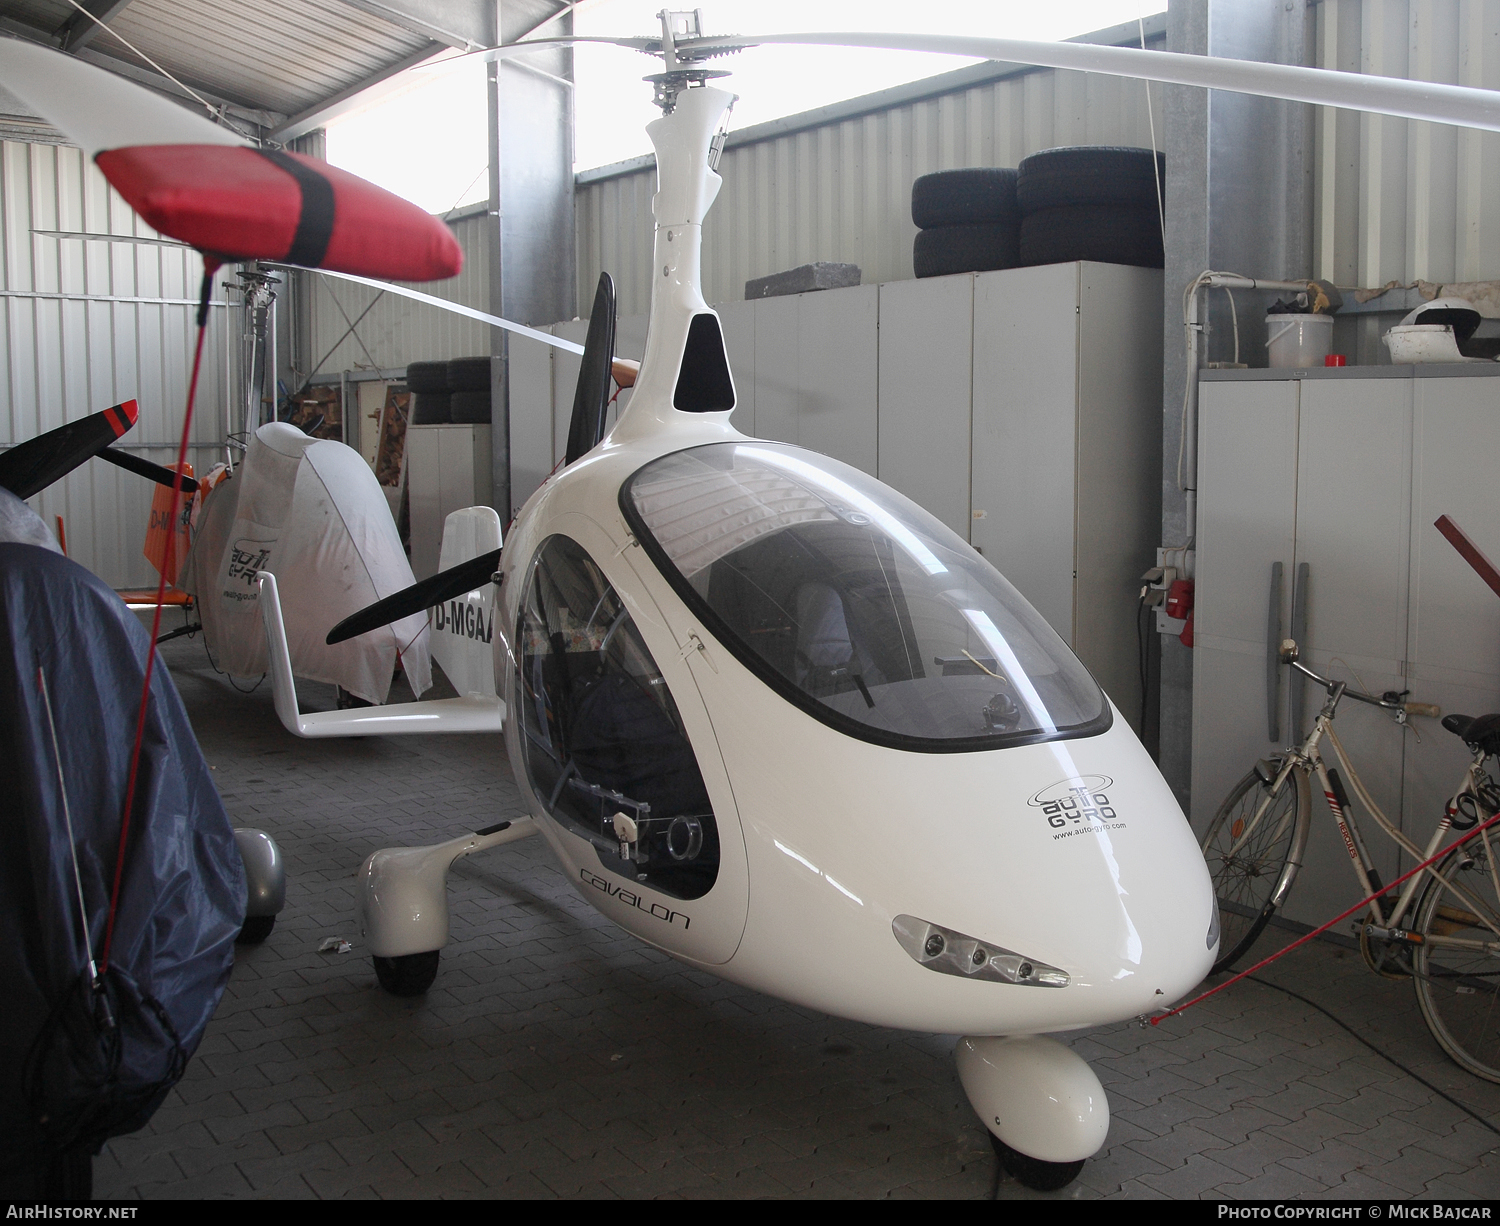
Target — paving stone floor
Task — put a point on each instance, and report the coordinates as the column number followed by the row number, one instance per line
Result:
column 557, row 1057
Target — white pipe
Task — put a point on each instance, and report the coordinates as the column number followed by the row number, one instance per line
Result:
column 1187, row 466
column 473, row 713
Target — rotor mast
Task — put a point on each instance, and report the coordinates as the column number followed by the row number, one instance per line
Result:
column 688, row 139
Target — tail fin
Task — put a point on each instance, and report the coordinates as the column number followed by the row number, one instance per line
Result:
column 463, row 628
column 471, row 713
column 591, row 398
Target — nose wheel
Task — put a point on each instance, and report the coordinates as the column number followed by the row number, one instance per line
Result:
column 1045, row 1110
column 1033, row 1172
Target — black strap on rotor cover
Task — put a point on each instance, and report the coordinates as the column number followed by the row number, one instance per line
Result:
column 315, row 222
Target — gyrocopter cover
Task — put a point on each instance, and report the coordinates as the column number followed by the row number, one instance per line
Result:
column 82, row 1064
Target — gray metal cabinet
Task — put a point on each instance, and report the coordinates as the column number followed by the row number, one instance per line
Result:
column 1325, row 472
column 1066, row 447
column 1453, row 622
column 926, row 386
column 812, row 370
column 447, row 468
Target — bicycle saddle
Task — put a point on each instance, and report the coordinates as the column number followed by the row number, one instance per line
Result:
column 1482, row 732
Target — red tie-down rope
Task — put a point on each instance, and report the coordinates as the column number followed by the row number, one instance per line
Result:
column 1364, row 902
column 209, row 268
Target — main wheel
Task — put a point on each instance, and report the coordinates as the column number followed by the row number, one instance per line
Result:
column 255, row 929
column 1247, row 878
column 409, row 974
column 1458, row 986
column 1033, row 1172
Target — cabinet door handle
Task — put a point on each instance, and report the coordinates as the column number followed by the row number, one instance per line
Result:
column 1273, row 656
column 1299, row 632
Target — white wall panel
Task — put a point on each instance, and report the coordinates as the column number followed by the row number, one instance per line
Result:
column 84, row 325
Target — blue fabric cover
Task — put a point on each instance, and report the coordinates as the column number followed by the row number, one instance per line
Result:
column 68, row 1078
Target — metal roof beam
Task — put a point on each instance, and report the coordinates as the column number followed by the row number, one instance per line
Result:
column 411, row 23
column 348, row 99
column 147, row 77
column 78, row 31
column 154, row 80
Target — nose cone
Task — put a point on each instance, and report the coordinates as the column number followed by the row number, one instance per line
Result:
column 1072, row 855
column 1130, row 902
column 1081, row 859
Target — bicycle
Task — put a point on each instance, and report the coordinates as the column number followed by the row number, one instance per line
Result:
column 1443, row 929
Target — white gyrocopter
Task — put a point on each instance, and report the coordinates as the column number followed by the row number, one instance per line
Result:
column 777, row 721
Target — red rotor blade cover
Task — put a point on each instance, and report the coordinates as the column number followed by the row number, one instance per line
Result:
column 262, row 204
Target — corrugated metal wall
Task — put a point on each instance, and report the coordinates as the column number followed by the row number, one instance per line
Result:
column 842, row 191
column 1398, row 200
column 87, row 325
column 398, row 331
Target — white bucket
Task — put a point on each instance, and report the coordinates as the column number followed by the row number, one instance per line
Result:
column 1298, row 341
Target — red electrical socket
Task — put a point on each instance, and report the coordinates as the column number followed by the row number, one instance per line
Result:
column 1180, row 605
column 1180, row 599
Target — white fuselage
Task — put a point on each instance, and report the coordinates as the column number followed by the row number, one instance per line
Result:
column 825, row 839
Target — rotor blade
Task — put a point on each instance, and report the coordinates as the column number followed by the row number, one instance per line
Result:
column 145, row 468
column 488, row 55
column 419, row 597
column 112, row 238
column 97, row 110
column 36, row 464
column 591, row 398
column 1428, row 100
column 457, row 308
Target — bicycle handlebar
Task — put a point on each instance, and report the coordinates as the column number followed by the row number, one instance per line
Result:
column 1289, row 656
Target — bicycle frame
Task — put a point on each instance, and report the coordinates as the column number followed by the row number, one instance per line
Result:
column 1309, row 757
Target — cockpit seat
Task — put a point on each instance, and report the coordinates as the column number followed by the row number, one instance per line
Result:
column 1481, row 733
column 825, row 648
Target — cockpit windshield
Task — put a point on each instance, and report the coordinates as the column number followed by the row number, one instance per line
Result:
column 855, row 603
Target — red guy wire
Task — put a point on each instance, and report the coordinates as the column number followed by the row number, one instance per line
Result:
column 209, row 266
column 1364, row 902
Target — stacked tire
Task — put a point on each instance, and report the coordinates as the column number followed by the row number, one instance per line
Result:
column 431, row 404
column 456, row 391
column 1091, row 203
column 968, row 221
column 1082, row 203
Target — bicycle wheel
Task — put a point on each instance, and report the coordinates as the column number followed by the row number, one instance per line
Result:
column 1458, row 986
column 1247, row 879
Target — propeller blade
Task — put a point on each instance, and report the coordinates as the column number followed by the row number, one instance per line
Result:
column 36, row 464
column 145, row 468
column 97, row 110
column 591, row 399
column 419, row 597
column 1452, row 104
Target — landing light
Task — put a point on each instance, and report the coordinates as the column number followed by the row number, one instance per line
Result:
column 953, row 953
